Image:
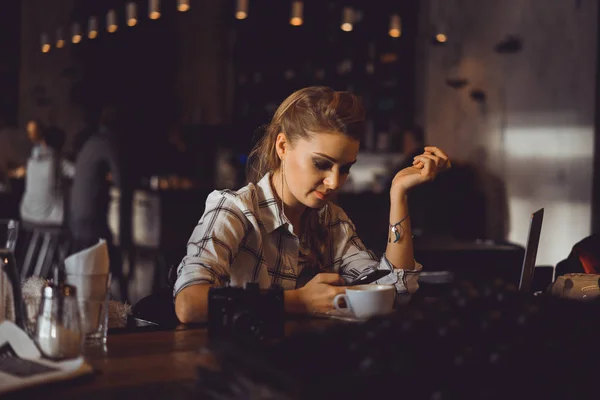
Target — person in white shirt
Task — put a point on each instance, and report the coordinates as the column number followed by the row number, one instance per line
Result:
column 43, row 201
column 282, row 229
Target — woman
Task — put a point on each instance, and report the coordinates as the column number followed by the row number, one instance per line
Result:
column 44, row 201
column 281, row 228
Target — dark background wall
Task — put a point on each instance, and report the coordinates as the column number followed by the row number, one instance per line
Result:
column 161, row 71
column 9, row 60
column 203, row 67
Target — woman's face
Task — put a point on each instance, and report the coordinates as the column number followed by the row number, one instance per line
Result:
column 316, row 167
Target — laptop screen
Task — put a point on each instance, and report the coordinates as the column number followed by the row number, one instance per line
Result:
column 533, row 240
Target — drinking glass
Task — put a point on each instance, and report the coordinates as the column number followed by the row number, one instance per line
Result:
column 93, row 293
column 11, row 299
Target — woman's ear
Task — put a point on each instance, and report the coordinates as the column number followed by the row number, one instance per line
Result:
column 281, row 145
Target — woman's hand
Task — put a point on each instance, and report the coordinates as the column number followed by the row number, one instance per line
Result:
column 17, row 173
column 425, row 168
column 317, row 295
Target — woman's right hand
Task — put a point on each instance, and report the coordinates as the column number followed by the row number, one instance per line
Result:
column 317, row 295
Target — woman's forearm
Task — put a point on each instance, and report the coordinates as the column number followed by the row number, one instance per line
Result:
column 399, row 251
column 191, row 304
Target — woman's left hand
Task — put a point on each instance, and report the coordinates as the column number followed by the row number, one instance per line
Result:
column 425, row 168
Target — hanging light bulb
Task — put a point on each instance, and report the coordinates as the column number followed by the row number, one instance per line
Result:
column 297, row 10
column 131, row 14
column 440, row 29
column 183, row 5
column 111, row 21
column 60, row 38
column 241, row 9
column 347, row 19
column 92, row 27
column 441, row 38
column 154, row 9
column 45, row 43
column 76, row 33
column 395, row 26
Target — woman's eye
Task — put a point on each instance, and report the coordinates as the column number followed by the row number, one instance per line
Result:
column 320, row 165
column 345, row 170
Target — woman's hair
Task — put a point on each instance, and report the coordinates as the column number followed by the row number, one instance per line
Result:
column 55, row 139
column 310, row 111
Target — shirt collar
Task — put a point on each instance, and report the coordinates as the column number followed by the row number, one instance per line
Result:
column 40, row 151
column 269, row 205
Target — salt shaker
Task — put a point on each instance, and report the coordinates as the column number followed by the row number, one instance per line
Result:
column 58, row 329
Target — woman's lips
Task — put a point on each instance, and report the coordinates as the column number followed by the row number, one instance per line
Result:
column 321, row 196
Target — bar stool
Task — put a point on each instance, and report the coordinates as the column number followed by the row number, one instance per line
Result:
column 47, row 245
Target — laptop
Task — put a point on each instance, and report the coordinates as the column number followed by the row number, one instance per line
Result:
column 533, row 240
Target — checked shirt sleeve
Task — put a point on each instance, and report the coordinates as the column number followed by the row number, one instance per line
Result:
column 213, row 245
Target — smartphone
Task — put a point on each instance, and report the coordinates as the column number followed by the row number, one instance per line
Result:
column 369, row 277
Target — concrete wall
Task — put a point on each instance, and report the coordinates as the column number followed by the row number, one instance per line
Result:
column 535, row 130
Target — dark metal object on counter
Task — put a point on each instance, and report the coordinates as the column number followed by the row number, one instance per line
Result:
column 246, row 312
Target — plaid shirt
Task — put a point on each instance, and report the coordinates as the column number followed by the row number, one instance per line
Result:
column 244, row 237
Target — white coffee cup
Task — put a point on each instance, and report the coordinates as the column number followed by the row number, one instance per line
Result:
column 365, row 301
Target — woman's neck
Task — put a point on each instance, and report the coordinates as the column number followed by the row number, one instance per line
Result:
column 292, row 208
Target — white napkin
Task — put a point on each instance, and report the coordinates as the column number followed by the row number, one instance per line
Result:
column 88, row 271
column 91, row 261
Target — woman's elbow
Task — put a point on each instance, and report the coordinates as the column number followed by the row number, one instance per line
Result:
column 182, row 311
column 190, row 304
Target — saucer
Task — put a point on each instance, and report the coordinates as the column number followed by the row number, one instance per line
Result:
column 346, row 315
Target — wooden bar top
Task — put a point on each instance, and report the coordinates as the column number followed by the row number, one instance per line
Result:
column 143, row 364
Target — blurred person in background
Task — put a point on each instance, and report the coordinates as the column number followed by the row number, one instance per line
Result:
column 99, row 165
column 46, row 174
